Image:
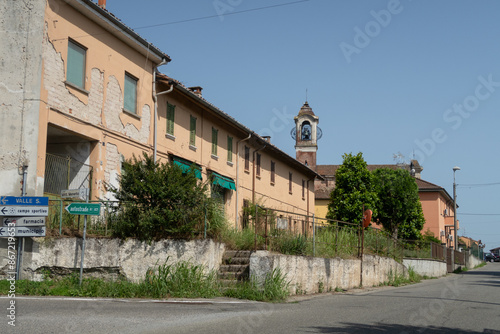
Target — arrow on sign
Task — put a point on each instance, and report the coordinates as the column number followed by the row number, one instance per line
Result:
column 1, row 231
column 3, row 200
column 4, row 210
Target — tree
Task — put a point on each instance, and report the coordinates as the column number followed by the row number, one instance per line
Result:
column 160, row 200
column 398, row 207
column 353, row 190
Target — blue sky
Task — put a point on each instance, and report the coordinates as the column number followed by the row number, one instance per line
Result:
column 416, row 77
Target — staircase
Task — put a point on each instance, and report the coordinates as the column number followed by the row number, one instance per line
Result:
column 235, row 267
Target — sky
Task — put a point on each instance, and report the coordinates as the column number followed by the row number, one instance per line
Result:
column 415, row 78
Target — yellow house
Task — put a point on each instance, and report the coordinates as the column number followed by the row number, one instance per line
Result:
column 97, row 99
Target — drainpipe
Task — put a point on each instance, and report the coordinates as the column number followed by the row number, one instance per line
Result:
column 253, row 168
column 155, row 100
column 237, row 173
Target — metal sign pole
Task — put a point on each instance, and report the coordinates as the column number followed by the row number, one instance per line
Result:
column 83, row 240
column 20, row 242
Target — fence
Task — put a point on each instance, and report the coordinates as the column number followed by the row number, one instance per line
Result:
column 298, row 234
column 63, row 173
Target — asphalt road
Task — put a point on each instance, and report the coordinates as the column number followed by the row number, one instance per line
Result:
column 461, row 303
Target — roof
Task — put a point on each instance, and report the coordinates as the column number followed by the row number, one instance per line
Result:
column 426, row 186
column 306, row 110
column 117, row 28
column 330, row 170
column 245, row 131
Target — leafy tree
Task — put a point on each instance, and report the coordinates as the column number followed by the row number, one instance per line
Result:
column 353, row 190
column 398, row 207
column 158, row 200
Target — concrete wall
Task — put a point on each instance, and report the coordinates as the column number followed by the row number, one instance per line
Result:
column 21, row 26
column 427, row 267
column 110, row 258
column 308, row 274
column 472, row 261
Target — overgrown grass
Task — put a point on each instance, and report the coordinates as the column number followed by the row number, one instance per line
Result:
column 396, row 279
column 181, row 280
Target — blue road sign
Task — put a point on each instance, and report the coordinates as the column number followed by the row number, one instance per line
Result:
column 25, row 200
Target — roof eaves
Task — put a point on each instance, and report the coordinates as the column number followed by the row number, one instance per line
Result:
column 117, row 27
column 241, row 127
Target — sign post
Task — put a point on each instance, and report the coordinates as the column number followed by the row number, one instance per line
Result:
column 25, row 218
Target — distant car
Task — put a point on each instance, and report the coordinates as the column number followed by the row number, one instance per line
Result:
column 488, row 257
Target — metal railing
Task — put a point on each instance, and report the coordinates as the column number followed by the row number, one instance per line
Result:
column 63, row 173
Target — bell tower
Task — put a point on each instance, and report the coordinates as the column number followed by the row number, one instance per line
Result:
column 306, row 134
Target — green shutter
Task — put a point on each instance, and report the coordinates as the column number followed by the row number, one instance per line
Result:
column 192, row 131
column 229, row 149
column 215, row 133
column 130, row 96
column 170, row 118
column 75, row 71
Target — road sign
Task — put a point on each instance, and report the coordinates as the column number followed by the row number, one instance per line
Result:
column 24, row 221
column 35, row 231
column 24, row 211
column 75, row 193
column 93, row 209
column 25, row 200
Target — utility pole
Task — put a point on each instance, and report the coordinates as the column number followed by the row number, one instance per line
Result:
column 455, row 209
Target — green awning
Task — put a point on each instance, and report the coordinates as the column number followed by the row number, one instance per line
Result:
column 223, row 181
column 186, row 166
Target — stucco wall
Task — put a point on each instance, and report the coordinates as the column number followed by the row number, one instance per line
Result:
column 311, row 274
column 21, row 26
column 429, row 267
column 110, row 258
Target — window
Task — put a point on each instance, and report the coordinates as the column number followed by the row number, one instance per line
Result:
column 75, row 71
column 303, row 189
column 247, row 158
column 170, row 118
column 215, row 134
column 229, row 149
column 273, row 172
column 258, row 164
column 290, row 182
column 130, row 95
column 192, row 131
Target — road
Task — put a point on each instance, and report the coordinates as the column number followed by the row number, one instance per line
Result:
column 459, row 303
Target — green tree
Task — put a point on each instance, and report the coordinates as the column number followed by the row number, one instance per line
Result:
column 398, row 207
column 353, row 190
column 159, row 200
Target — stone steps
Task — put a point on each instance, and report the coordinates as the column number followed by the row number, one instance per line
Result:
column 235, row 267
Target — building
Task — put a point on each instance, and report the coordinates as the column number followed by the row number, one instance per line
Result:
column 437, row 204
column 93, row 97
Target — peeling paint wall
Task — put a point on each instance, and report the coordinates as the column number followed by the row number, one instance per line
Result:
column 110, row 258
column 21, row 26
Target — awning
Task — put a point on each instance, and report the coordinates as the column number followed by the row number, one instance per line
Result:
column 186, row 166
column 224, row 182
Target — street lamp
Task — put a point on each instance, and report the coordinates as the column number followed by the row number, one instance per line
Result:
column 455, row 208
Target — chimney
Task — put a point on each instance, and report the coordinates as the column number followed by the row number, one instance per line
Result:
column 102, row 4
column 267, row 138
column 196, row 89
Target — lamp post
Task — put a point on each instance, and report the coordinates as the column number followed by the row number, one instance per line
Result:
column 455, row 209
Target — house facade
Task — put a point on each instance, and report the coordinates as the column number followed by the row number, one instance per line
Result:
column 96, row 98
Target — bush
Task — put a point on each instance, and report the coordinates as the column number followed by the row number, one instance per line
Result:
column 158, row 201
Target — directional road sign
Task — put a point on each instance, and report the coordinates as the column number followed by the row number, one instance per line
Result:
column 93, row 209
column 24, row 211
column 75, row 193
column 25, row 200
column 35, row 231
column 24, row 221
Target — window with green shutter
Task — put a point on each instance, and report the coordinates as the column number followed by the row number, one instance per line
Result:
column 130, row 94
column 229, row 149
column 192, row 131
column 215, row 134
column 75, row 71
column 170, row 118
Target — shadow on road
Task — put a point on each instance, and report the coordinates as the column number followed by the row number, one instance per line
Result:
column 390, row 328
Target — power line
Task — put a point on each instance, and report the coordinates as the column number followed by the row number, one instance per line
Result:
column 479, row 184
column 227, row 14
column 478, row 214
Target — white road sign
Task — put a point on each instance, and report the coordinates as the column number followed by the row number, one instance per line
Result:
column 36, row 231
column 75, row 193
column 24, row 221
column 24, row 211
